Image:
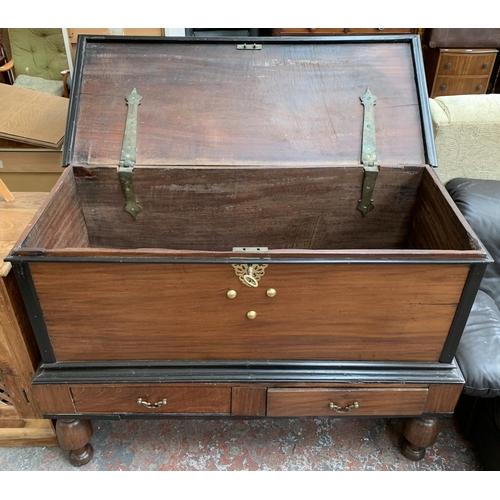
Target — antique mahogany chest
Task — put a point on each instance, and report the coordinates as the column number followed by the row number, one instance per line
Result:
column 248, row 228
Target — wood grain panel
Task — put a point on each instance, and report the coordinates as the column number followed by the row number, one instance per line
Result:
column 248, row 401
column 32, row 117
column 54, row 399
column 123, row 399
column 181, row 311
column 210, row 104
column 465, row 64
column 442, row 398
column 61, row 222
column 31, row 432
column 14, row 217
column 449, row 85
column 31, row 162
column 315, row 402
column 437, row 222
column 218, row 209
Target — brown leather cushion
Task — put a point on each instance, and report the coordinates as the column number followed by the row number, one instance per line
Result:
column 478, row 353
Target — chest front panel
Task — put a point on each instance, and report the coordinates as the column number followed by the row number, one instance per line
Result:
column 183, row 311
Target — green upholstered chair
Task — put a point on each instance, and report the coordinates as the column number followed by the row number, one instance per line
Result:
column 39, row 61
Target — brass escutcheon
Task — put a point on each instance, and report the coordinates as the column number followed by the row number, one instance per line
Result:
column 250, row 274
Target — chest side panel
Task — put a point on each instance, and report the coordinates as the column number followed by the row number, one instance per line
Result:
column 182, row 311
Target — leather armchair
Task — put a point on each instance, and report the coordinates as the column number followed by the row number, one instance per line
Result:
column 478, row 354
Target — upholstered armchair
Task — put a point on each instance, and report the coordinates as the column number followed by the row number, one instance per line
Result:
column 467, row 132
column 39, row 61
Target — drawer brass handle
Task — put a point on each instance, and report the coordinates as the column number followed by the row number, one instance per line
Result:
column 271, row 292
column 346, row 409
column 150, row 406
column 381, row 29
column 447, row 65
column 443, row 87
column 486, row 65
column 479, row 87
column 231, row 294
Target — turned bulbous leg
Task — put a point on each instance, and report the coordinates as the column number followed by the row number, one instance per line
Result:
column 419, row 433
column 74, row 435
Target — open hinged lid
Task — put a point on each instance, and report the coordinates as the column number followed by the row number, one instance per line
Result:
column 265, row 101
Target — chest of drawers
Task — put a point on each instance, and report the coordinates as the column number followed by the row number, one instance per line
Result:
column 459, row 71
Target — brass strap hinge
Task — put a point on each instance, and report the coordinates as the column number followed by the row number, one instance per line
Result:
column 368, row 153
column 128, row 156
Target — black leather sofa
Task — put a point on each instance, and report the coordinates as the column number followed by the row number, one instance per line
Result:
column 478, row 354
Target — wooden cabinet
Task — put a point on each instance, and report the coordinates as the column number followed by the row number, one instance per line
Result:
column 459, row 71
column 21, row 422
column 243, row 260
column 341, row 31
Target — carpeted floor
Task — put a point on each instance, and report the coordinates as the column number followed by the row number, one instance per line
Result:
column 305, row 444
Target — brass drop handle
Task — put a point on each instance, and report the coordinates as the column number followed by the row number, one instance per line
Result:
column 346, row 409
column 152, row 406
column 447, row 65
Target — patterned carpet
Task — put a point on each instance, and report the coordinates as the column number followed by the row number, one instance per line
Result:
column 305, row 444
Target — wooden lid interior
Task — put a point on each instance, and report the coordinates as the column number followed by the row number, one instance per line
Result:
column 207, row 103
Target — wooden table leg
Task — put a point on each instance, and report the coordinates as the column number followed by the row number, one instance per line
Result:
column 74, row 435
column 419, row 433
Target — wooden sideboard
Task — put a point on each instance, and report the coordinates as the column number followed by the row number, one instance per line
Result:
column 342, row 31
column 21, row 422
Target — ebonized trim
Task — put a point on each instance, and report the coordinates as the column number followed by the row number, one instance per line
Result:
column 35, row 314
column 247, row 260
column 213, row 416
column 464, row 307
column 425, row 110
column 74, row 103
column 305, row 373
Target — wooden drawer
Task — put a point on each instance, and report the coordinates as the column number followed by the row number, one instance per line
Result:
column 466, row 64
column 455, row 85
column 319, row 402
column 157, row 399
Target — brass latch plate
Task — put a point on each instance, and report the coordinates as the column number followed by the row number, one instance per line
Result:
column 249, row 46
